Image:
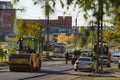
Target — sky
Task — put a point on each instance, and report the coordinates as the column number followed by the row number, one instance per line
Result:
column 36, row 12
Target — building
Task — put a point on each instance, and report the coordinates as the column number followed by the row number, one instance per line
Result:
column 62, row 22
column 61, row 25
column 7, row 15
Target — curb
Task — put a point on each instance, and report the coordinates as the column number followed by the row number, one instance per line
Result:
column 106, row 74
column 101, row 75
column 3, row 64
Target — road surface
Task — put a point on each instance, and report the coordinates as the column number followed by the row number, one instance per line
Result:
column 51, row 70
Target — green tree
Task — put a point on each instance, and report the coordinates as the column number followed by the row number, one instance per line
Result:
column 2, row 55
column 108, row 35
column 21, row 28
column 116, row 37
column 82, row 40
column 28, row 28
column 35, row 29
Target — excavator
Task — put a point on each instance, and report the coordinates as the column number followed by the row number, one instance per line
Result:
column 29, row 57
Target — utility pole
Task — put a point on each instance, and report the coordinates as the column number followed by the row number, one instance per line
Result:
column 98, row 40
column 100, row 37
column 47, row 51
column 75, row 32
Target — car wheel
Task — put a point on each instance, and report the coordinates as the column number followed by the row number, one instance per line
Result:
column 75, row 69
column 93, row 70
column 31, row 67
column 108, row 65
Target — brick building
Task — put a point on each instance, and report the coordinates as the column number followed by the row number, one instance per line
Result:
column 61, row 22
column 7, row 15
column 61, row 25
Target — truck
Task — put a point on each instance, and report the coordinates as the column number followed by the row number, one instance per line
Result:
column 29, row 57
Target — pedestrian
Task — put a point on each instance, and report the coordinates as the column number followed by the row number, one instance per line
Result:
column 66, row 57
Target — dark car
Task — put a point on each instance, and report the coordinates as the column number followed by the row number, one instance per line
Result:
column 106, row 60
column 70, row 54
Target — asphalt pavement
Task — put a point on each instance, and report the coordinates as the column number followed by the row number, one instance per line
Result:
column 56, row 61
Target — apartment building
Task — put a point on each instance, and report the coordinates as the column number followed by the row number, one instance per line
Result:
column 7, row 15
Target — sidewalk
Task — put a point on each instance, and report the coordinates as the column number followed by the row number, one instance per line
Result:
column 3, row 64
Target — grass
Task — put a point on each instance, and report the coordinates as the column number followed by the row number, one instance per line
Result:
column 114, row 68
column 91, row 78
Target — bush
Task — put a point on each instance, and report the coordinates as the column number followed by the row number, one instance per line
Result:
column 2, row 54
column 12, row 50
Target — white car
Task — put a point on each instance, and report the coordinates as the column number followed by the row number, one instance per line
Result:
column 115, row 56
column 84, row 63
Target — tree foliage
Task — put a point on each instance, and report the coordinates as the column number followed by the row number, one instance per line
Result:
column 2, row 53
column 82, row 40
column 108, row 35
column 62, row 38
column 28, row 28
column 86, row 37
column 71, row 38
column 65, row 38
column 116, row 36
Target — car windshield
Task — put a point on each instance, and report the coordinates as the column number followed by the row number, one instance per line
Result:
column 105, row 58
column 84, row 59
column 116, row 55
column 58, row 49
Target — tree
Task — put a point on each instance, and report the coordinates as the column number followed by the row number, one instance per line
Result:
column 35, row 29
column 108, row 35
column 71, row 38
column 116, row 37
column 66, row 38
column 83, row 38
column 29, row 28
column 62, row 38
column 2, row 54
column 21, row 29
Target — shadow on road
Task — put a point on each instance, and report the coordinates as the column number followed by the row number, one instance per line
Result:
column 49, row 72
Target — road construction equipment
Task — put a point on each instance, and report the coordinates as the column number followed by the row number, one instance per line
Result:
column 29, row 57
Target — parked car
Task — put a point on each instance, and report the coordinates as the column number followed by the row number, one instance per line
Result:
column 84, row 63
column 85, row 53
column 106, row 60
column 115, row 56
